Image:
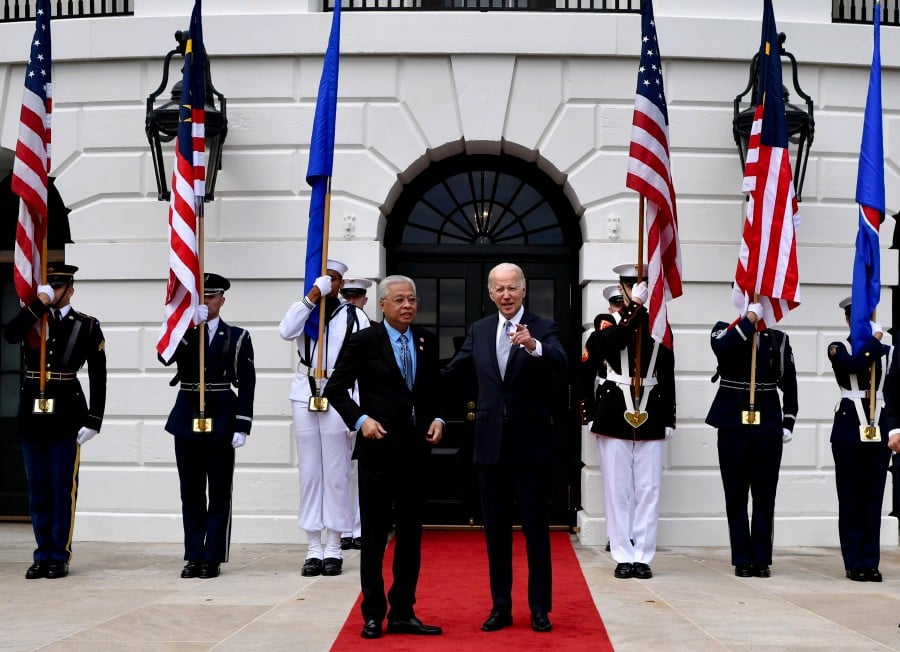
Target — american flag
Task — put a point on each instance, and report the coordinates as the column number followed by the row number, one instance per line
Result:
column 31, row 166
column 650, row 175
column 767, row 263
column 321, row 162
column 870, row 197
column 188, row 189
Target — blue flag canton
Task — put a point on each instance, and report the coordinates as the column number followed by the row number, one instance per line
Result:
column 37, row 74
column 771, row 90
column 650, row 77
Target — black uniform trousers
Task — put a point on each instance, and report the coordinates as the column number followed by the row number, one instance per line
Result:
column 749, row 459
column 390, row 495
column 51, row 466
column 207, row 527
column 860, row 476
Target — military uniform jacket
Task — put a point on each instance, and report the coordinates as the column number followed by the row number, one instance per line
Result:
column 858, row 367
column 71, row 342
column 229, row 363
column 609, row 405
column 774, row 371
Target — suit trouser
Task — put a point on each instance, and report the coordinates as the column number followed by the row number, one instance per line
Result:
column 860, row 472
column 390, row 492
column 207, row 527
column 749, row 460
column 324, row 446
column 527, row 484
column 632, row 474
column 51, row 467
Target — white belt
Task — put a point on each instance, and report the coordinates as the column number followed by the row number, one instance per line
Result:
column 311, row 371
column 625, row 380
column 860, row 393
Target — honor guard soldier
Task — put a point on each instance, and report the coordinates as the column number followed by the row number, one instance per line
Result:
column 354, row 291
column 324, row 443
column 751, row 435
column 859, row 447
column 631, row 423
column 53, row 426
column 205, row 442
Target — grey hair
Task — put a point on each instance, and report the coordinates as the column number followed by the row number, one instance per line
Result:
column 385, row 284
column 506, row 267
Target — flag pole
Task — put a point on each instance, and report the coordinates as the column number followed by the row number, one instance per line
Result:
column 636, row 379
column 202, row 424
column 320, row 350
column 751, row 411
column 44, row 406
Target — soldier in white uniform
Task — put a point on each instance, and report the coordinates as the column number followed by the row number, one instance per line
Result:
column 324, row 444
column 354, row 291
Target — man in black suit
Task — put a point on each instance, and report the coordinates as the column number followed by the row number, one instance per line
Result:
column 397, row 420
column 52, row 439
column 206, row 458
column 513, row 355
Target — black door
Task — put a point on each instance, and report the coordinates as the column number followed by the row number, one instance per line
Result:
column 453, row 294
column 13, row 487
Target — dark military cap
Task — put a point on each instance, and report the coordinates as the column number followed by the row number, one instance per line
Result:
column 60, row 274
column 213, row 283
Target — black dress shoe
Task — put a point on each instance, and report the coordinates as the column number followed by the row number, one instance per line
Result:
column 371, row 629
column 332, row 566
column 56, row 569
column 857, row 575
column 191, row 569
column 540, row 622
column 311, row 567
column 346, row 543
column 743, row 570
column 357, row 543
column 873, row 575
column 624, row 570
column 497, row 620
column 209, row 569
column 37, row 570
column 761, row 570
column 412, row 625
column 642, row 571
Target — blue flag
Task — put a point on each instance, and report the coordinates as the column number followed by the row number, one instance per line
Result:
column 870, row 197
column 321, row 162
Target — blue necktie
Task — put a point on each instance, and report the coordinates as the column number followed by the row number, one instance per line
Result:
column 504, row 347
column 406, row 362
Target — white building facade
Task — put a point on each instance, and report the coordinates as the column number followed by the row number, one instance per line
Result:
column 552, row 89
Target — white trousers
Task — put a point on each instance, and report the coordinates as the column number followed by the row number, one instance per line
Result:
column 323, row 448
column 631, row 473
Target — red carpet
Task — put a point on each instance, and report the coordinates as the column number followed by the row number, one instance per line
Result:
column 454, row 593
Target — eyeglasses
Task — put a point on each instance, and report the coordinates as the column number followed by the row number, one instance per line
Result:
column 399, row 301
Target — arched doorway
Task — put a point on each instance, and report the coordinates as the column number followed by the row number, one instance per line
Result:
column 450, row 225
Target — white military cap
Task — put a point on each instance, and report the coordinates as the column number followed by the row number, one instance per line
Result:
column 845, row 303
column 356, row 286
column 613, row 291
column 628, row 272
column 336, row 265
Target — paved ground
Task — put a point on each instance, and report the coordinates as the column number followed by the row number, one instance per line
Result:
column 130, row 597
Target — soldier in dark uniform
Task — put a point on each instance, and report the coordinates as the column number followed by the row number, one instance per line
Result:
column 207, row 458
column 631, row 452
column 750, row 454
column 860, row 466
column 51, row 440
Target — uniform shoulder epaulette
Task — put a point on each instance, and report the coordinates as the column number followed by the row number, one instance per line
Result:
column 84, row 315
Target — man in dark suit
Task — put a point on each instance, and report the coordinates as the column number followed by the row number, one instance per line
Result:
column 513, row 355
column 860, row 461
column 52, row 438
column 206, row 457
column 750, row 452
column 397, row 421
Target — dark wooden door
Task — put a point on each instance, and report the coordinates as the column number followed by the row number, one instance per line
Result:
column 13, row 484
column 452, row 295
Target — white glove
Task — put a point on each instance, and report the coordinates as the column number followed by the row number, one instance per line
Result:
column 238, row 440
column 640, row 293
column 756, row 309
column 324, row 284
column 786, row 436
column 46, row 289
column 876, row 327
column 670, row 432
column 201, row 314
column 84, row 434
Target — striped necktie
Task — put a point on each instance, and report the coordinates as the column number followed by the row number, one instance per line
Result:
column 406, row 362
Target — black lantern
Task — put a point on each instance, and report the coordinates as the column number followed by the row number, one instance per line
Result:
column 801, row 125
column 162, row 124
